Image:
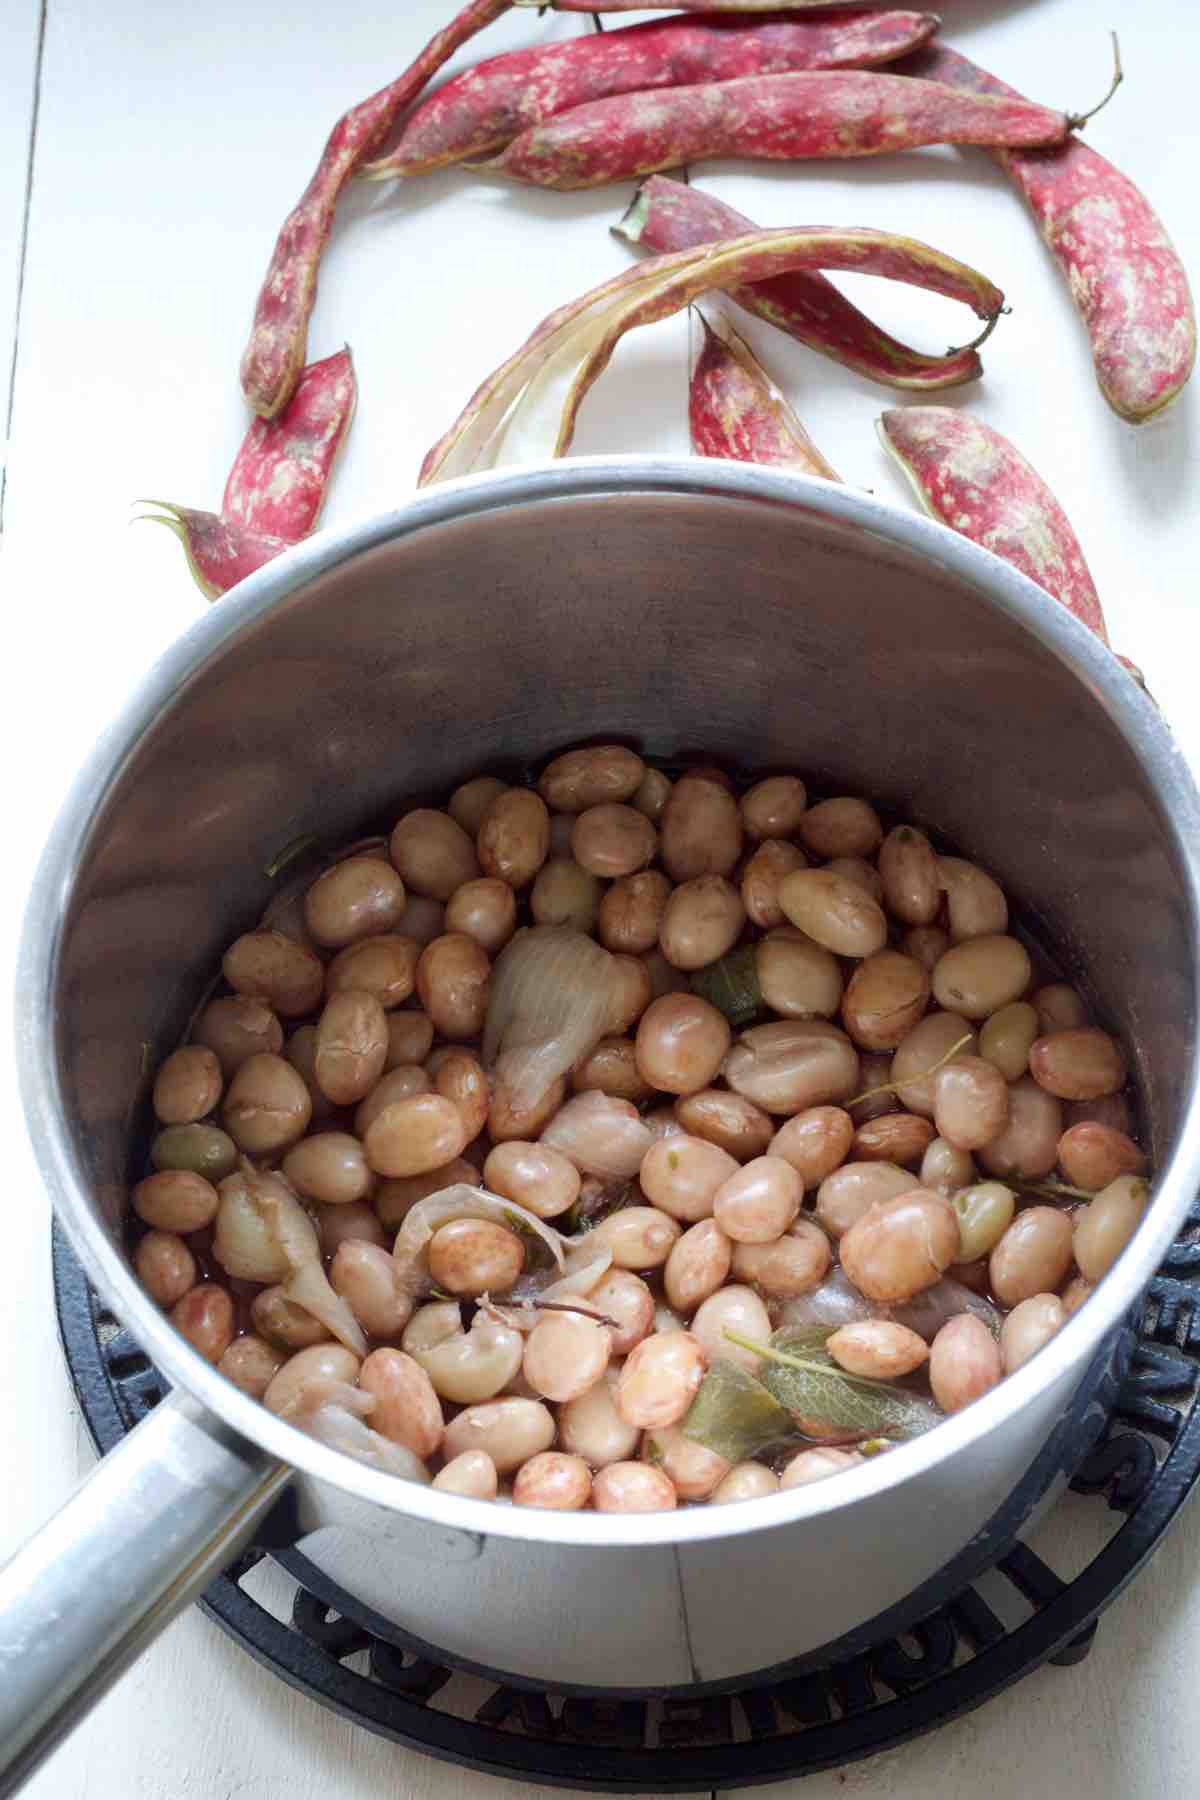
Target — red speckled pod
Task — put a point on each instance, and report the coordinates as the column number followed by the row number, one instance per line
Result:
column 691, row 6
column 274, row 355
column 975, row 481
column 277, row 484
column 526, row 409
column 220, row 552
column 670, row 215
column 1125, row 277
column 736, row 411
column 488, row 105
column 784, row 118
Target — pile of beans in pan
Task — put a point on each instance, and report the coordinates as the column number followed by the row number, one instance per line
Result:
column 621, row 1142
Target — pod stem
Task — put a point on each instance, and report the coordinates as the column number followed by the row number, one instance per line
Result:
column 1076, row 121
column 993, row 319
column 891, row 1087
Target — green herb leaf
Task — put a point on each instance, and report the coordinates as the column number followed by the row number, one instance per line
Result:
column 824, row 1400
column 731, row 985
column 652, row 1451
column 734, row 1415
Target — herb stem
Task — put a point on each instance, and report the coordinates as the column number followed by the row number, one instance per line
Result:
column 890, row 1087
column 1055, row 1190
column 812, row 1368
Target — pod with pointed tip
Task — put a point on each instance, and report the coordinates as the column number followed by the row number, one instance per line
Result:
column 277, row 485
column 219, row 553
column 690, row 6
column 488, row 105
column 274, row 354
column 778, row 118
column 971, row 478
column 736, row 411
column 671, row 215
column 1125, row 276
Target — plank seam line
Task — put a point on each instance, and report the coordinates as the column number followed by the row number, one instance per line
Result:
column 23, row 251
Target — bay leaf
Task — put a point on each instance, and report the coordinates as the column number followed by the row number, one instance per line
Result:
column 804, row 1378
column 735, row 1415
column 731, row 985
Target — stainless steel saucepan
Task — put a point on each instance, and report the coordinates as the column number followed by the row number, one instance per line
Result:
column 767, row 621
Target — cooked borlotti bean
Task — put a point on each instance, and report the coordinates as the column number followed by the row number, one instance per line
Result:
column 975, row 904
column 681, row 1043
column 697, row 1266
column 964, row 1362
column 791, row 1265
column 851, row 1190
column 897, row 1137
column 701, row 829
column 1033, row 1256
column 385, row 966
column 842, row 827
column 205, row 1317
column 774, row 807
column 908, row 870
column 878, row 1348
column 797, row 978
column 1029, row 1327
column 682, row 1175
column 901, row 1245
column 1027, row 1146
column 886, row 996
column 267, row 1106
column 433, row 853
column 268, row 966
column 354, row 899
column 629, row 914
column 816, row 1142
column 937, row 1040
column 701, row 920
column 779, row 1089
column 660, row 1378
column 1104, row 1227
column 329, row 1166
column 237, row 1026
column 762, row 876
column 758, row 1203
column 979, row 977
column 1081, row 1064
column 187, row 1086
column 555, row 1482
column 1008, row 1036
column 166, row 1267
column 834, row 912
column 970, row 1102
column 486, row 910
column 1092, row 1155
column 610, row 841
column 789, row 1066
column 727, row 1119
column 582, row 778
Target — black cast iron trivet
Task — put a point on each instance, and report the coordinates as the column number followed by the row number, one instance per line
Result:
column 1144, row 1466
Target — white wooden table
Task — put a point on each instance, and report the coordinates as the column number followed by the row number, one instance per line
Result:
column 169, row 143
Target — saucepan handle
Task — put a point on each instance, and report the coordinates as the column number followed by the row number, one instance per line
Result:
column 141, row 1538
